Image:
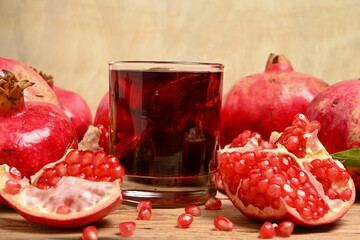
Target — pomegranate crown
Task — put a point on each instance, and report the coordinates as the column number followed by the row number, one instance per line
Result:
column 48, row 78
column 12, row 91
column 278, row 63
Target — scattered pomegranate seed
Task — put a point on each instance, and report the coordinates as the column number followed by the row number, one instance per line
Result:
column 223, row 224
column 89, row 233
column 284, row 229
column 12, row 187
column 127, row 228
column 193, row 210
column 144, row 214
column 144, row 204
column 184, row 220
column 267, row 230
column 213, row 204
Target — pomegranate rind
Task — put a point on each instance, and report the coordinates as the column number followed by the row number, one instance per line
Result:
column 315, row 149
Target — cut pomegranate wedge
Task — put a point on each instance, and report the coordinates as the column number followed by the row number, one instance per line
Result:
column 297, row 181
column 79, row 189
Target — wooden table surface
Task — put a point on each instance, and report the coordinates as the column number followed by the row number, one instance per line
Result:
column 163, row 226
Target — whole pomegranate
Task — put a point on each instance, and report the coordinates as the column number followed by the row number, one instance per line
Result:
column 33, row 134
column 72, row 104
column 40, row 91
column 290, row 178
column 337, row 108
column 267, row 102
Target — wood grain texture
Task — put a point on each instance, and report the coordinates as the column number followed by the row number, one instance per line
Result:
column 74, row 40
column 163, row 226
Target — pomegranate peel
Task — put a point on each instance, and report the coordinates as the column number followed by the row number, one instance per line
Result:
column 275, row 185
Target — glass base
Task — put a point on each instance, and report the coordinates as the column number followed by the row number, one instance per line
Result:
column 168, row 192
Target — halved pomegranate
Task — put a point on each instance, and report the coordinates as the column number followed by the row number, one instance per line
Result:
column 286, row 179
column 77, row 190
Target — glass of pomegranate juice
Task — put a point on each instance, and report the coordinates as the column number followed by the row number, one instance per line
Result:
column 165, row 119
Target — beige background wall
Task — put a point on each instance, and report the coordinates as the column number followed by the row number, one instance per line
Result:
column 74, row 39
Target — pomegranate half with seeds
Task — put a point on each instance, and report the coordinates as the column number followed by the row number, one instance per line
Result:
column 290, row 178
column 79, row 189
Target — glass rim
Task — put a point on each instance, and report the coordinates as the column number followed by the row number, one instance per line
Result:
column 217, row 66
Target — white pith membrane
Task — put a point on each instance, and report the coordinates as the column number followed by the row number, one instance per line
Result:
column 314, row 150
column 78, row 194
column 90, row 140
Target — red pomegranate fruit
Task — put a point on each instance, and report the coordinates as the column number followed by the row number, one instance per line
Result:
column 77, row 190
column 40, row 91
column 74, row 106
column 33, row 134
column 337, row 108
column 267, row 102
column 269, row 181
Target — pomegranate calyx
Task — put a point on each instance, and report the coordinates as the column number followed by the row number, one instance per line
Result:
column 12, row 92
column 49, row 79
column 278, row 63
column 349, row 158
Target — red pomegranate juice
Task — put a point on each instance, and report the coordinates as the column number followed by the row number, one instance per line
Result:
column 164, row 129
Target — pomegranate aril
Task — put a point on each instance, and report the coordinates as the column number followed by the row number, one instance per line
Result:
column 305, row 213
column 127, row 228
column 284, row 229
column 267, row 230
column 61, row 168
column 221, row 223
column 86, row 157
column 54, row 180
column 144, row 204
column 292, row 143
column 12, row 187
column 73, row 157
column 274, row 190
column 262, row 186
column 144, row 214
column 249, row 157
column 346, row 194
column 49, row 172
column 87, row 171
column 100, row 157
column 113, row 161
column 299, row 202
column 184, row 220
column 342, row 178
column 89, row 233
column 15, row 174
column 331, row 173
column 102, row 170
column 213, row 204
column 62, row 209
column 193, row 210
column 73, row 169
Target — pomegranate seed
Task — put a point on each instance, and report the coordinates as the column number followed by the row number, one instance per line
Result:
column 73, row 157
column 88, row 171
column 54, row 180
column 89, row 233
column 100, row 157
column 12, row 187
column 102, row 170
column 127, row 228
column 332, row 194
column 61, row 168
column 274, row 190
column 144, row 214
column 292, row 143
column 331, row 173
column 262, row 186
column 249, row 158
column 342, row 178
column 86, row 157
column 15, row 174
column 346, row 194
column 49, row 172
column 284, row 229
column 118, row 172
column 113, row 161
column 213, row 204
column 193, row 210
column 73, row 169
column 267, row 230
column 62, row 209
column 184, row 220
column 223, row 224
column 144, row 204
